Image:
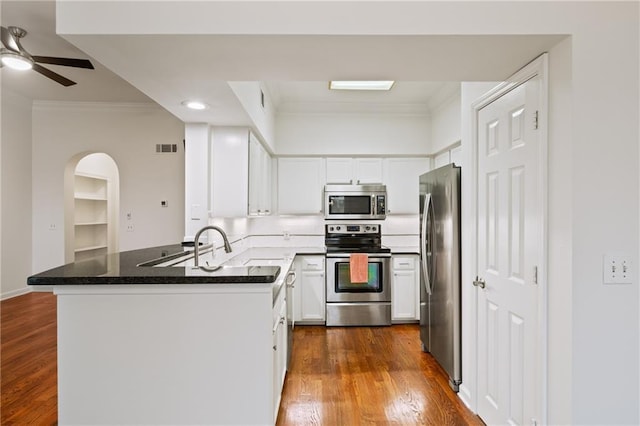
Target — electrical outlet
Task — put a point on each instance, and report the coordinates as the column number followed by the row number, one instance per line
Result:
column 128, row 215
column 52, row 227
column 130, row 227
column 164, row 203
column 617, row 269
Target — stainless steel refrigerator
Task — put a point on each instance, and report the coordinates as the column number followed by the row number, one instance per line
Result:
column 440, row 304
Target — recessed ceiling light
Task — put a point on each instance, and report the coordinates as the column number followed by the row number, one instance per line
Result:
column 195, row 105
column 16, row 61
column 361, row 85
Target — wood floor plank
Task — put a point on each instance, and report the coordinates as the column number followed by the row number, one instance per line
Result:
column 367, row 376
column 28, row 360
column 338, row 375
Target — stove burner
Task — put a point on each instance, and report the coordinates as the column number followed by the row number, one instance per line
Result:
column 354, row 238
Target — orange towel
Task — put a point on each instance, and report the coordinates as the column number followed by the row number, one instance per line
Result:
column 359, row 268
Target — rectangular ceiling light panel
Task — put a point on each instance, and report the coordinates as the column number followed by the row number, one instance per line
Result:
column 360, row 85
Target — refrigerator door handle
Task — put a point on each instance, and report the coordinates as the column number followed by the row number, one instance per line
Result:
column 431, row 245
column 426, row 248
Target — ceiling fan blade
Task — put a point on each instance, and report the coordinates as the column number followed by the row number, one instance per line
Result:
column 53, row 76
column 67, row 62
column 8, row 41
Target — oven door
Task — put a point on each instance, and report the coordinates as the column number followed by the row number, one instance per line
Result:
column 341, row 289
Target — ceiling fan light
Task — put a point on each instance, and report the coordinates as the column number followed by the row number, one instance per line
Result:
column 197, row 105
column 361, row 85
column 16, row 61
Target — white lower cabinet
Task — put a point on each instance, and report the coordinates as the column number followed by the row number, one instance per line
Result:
column 309, row 292
column 279, row 350
column 405, row 286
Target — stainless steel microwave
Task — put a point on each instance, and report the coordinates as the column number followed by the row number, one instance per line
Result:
column 355, row 202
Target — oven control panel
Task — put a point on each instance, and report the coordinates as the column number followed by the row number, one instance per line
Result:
column 352, row 229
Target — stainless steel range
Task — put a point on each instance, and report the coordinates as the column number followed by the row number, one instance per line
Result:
column 354, row 303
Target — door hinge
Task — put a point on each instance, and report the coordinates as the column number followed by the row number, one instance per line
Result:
column 535, row 275
column 535, row 120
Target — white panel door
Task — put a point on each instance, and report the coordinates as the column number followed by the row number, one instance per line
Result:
column 508, row 253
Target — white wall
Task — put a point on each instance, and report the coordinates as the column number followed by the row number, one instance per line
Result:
column 129, row 134
column 248, row 93
column 559, row 288
column 445, row 124
column 593, row 156
column 16, row 193
column 352, row 134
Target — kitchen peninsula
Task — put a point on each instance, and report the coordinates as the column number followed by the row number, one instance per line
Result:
column 159, row 344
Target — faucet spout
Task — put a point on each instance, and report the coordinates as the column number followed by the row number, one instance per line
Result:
column 196, row 248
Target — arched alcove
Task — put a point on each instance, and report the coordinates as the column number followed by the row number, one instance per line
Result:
column 92, row 199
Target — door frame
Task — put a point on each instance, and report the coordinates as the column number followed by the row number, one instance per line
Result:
column 538, row 67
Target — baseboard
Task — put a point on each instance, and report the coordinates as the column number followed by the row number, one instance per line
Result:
column 465, row 395
column 14, row 293
column 42, row 288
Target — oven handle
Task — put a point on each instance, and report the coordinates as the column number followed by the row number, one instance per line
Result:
column 371, row 256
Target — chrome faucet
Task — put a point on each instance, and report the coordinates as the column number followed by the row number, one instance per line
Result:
column 196, row 248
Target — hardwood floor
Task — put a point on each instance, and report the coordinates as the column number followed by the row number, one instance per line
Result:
column 338, row 376
column 367, row 376
column 28, row 366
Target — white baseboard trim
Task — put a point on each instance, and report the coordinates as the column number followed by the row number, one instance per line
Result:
column 42, row 288
column 14, row 293
column 465, row 396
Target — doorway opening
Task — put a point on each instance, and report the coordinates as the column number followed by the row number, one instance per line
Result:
column 92, row 200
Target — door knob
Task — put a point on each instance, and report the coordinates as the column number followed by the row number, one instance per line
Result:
column 479, row 282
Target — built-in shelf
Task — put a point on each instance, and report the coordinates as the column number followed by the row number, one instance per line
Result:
column 91, row 216
column 89, row 197
column 83, row 249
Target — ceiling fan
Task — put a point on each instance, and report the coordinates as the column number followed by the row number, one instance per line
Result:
column 15, row 56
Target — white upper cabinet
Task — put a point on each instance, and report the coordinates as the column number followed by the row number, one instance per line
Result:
column 240, row 173
column 300, row 185
column 259, row 178
column 453, row 155
column 401, row 177
column 356, row 171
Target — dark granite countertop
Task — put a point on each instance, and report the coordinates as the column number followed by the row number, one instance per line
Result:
column 121, row 268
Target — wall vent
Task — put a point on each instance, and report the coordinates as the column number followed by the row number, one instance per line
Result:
column 166, row 147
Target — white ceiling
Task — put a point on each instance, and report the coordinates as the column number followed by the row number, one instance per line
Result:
column 99, row 85
column 295, row 68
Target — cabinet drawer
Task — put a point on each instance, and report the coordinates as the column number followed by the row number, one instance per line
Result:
column 313, row 263
column 404, row 263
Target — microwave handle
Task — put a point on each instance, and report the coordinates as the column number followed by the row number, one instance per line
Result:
column 373, row 204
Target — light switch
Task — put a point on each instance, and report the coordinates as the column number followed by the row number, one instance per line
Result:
column 617, row 269
column 196, row 211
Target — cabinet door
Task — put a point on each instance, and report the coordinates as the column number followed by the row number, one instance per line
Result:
column 264, row 200
column 312, row 291
column 405, row 297
column 230, row 172
column 403, row 306
column 401, row 178
column 300, row 185
column 339, row 171
column 255, row 172
column 441, row 159
column 259, row 179
column 368, row 170
column 279, row 357
column 455, row 155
